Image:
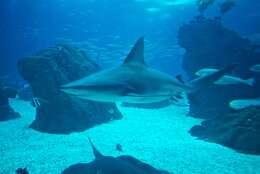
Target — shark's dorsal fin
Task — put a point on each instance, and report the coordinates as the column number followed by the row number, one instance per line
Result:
column 136, row 55
column 97, row 154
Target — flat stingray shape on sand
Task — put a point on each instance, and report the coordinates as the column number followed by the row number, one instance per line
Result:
column 112, row 165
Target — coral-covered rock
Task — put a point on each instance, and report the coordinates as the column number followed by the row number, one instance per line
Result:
column 209, row 44
column 240, row 130
column 46, row 71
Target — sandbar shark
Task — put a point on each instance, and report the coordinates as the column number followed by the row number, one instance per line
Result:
column 135, row 82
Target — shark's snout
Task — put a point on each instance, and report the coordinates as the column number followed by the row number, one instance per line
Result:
column 65, row 87
column 66, row 90
column 72, row 85
column 70, row 88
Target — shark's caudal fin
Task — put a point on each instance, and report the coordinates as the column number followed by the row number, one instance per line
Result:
column 97, row 154
column 211, row 78
column 136, row 55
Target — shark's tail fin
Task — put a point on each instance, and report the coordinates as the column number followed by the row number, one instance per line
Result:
column 204, row 81
column 97, row 154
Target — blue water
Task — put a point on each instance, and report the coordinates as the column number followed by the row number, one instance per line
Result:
column 27, row 26
column 106, row 30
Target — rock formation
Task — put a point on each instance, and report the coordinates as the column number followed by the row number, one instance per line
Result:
column 6, row 112
column 240, row 130
column 46, row 71
column 209, row 44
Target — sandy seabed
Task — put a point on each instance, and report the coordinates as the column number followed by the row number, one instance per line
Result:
column 156, row 136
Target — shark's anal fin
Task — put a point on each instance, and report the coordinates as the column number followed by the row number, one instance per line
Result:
column 136, row 55
column 97, row 154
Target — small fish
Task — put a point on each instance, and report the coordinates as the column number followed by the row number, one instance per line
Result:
column 36, row 102
column 226, row 79
column 119, row 147
column 244, row 103
column 255, row 68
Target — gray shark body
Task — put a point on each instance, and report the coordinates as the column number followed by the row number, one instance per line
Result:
column 135, row 82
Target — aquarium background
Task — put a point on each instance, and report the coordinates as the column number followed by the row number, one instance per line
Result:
column 201, row 134
column 107, row 28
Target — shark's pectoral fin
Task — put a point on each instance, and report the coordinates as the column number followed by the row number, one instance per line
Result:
column 177, row 100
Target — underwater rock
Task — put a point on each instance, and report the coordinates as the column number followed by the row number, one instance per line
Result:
column 209, row 44
column 226, row 6
column 239, row 130
column 25, row 92
column 112, row 165
column 204, row 4
column 22, row 171
column 46, row 71
column 6, row 112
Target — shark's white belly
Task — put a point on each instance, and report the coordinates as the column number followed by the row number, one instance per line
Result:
column 131, row 98
column 145, row 99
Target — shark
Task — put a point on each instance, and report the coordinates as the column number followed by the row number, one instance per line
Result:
column 135, row 82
